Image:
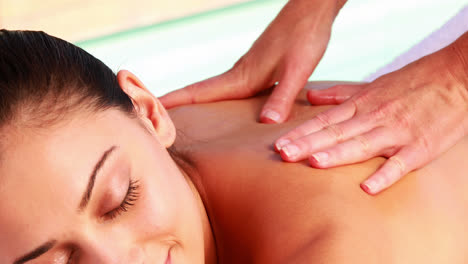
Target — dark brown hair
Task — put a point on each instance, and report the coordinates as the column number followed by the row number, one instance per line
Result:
column 44, row 78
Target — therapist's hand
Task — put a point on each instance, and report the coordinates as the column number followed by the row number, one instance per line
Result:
column 287, row 52
column 410, row 116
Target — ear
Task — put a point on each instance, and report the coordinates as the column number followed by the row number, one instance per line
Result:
column 149, row 109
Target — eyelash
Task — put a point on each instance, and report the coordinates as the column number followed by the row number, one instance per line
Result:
column 129, row 200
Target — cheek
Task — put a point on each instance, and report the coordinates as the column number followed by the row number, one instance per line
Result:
column 167, row 209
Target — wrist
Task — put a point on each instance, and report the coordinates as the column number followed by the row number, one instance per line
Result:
column 450, row 63
column 326, row 9
column 460, row 54
column 446, row 69
column 455, row 59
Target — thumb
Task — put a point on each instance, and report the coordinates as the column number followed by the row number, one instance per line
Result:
column 333, row 95
column 279, row 104
column 221, row 87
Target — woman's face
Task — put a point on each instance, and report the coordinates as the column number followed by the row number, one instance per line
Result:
column 136, row 207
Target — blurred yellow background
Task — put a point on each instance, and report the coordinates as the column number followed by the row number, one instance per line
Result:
column 76, row 20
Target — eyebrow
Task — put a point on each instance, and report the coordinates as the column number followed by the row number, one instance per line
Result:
column 84, row 202
column 89, row 190
column 36, row 252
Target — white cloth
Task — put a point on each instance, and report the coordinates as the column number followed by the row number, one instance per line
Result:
column 437, row 40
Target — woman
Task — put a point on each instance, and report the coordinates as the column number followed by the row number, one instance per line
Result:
column 86, row 178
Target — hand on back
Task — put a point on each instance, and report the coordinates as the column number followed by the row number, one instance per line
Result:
column 286, row 53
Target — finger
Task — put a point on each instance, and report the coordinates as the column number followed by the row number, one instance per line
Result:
column 359, row 148
column 323, row 119
column 221, row 87
column 305, row 146
column 279, row 103
column 397, row 166
column 333, row 95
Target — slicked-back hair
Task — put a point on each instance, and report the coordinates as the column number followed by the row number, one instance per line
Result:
column 44, row 78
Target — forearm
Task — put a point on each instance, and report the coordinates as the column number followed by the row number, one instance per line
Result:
column 340, row 4
column 329, row 9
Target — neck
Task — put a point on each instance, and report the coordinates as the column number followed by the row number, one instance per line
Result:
column 188, row 172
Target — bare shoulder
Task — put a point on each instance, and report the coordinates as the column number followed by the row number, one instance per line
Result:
column 320, row 214
column 212, row 121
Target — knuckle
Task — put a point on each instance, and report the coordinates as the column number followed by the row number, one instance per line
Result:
column 379, row 113
column 305, row 129
column 403, row 121
column 239, row 71
column 424, row 145
column 296, row 133
column 385, row 110
column 302, row 144
column 355, row 103
column 323, row 119
column 239, row 63
column 363, row 98
column 336, row 132
column 398, row 163
column 192, row 92
column 364, row 143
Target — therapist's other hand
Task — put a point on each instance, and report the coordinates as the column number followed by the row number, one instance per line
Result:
column 409, row 116
column 287, row 52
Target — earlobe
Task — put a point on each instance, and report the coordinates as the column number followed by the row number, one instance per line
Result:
column 148, row 108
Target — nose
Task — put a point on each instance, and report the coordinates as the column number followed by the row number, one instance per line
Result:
column 112, row 256
column 111, row 252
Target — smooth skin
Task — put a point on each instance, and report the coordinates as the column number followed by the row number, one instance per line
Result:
column 263, row 210
column 409, row 100
column 225, row 198
column 45, row 173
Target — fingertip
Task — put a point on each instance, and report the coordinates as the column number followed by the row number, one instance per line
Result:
column 366, row 188
column 269, row 116
column 317, row 163
column 314, row 162
column 279, row 104
column 285, row 156
column 290, row 153
column 281, row 143
column 165, row 101
column 370, row 186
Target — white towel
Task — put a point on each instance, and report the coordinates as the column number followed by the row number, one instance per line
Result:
column 437, row 40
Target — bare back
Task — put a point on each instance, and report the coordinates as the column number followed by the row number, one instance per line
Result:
column 265, row 210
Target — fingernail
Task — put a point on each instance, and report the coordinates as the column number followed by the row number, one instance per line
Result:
column 370, row 186
column 272, row 115
column 291, row 150
column 281, row 143
column 320, row 157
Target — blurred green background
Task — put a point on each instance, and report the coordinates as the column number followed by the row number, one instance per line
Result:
column 366, row 35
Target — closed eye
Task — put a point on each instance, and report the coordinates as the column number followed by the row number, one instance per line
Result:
column 129, row 200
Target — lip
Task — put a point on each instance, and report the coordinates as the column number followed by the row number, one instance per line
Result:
column 168, row 259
